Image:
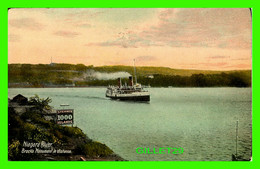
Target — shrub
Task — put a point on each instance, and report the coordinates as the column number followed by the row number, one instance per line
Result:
column 29, row 127
column 40, row 103
column 13, row 150
column 73, row 132
column 36, row 118
column 96, row 149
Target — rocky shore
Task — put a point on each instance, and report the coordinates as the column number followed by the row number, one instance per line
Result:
column 34, row 135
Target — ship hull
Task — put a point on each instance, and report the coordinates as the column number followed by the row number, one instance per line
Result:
column 131, row 98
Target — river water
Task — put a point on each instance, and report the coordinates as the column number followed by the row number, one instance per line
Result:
column 202, row 121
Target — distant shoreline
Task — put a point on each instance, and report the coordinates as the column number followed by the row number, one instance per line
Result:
column 69, row 75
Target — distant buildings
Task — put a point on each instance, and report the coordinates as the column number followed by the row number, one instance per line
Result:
column 150, row 76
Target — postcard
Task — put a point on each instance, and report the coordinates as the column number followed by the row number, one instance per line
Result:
column 129, row 84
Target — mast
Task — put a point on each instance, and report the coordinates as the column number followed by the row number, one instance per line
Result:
column 135, row 73
column 236, row 136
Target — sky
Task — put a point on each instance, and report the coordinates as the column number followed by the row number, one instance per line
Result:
column 181, row 38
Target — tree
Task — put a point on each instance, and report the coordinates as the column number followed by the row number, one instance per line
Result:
column 26, row 72
column 198, row 80
column 40, row 103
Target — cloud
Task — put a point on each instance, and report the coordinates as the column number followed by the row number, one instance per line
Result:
column 223, row 28
column 145, row 58
column 202, row 27
column 239, row 66
column 26, row 23
column 13, row 38
column 130, row 40
column 76, row 22
column 79, row 13
column 242, row 58
column 219, row 65
column 83, row 25
column 218, row 57
column 67, row 34
column 206, row 64
column 76, row 17
column 118, row 42
column 206, row 27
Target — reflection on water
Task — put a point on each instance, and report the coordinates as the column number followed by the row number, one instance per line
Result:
column 200, row 120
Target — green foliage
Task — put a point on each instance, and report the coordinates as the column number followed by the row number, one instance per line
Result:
column 148, row 70
column 234, row 79
column 13, row 149
column 80, row 67
column 29, row 127
column 96, row 149
column 73, row 132
column 40, row 103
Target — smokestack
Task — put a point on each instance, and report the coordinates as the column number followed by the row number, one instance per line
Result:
column 130, row 81
column 119, row 82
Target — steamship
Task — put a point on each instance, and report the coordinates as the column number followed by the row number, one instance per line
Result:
column 128, row 92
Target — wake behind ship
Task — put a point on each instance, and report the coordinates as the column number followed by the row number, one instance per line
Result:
column 130, row 92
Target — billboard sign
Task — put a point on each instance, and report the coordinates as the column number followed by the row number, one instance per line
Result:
column 65, row 116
